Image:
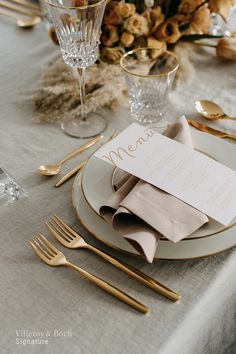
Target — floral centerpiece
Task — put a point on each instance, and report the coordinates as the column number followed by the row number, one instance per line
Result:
column 130, row 24
column 159, row 24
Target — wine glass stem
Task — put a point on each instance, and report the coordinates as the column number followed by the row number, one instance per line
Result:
column 81, row 73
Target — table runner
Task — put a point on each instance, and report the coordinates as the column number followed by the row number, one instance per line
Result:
column 81, row 318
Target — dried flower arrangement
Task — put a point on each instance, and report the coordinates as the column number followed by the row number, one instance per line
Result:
column 129, row 24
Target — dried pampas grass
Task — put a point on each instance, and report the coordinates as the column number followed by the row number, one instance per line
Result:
column 57, row 98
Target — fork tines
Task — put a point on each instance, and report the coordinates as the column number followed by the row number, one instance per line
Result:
column 61, row 230
column 44, row 249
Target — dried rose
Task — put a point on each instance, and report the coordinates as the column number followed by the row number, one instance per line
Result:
column 127, row 39
column 112, row 55
column 125, row 10
column 221, row 7
column 182, row 19
column 168, row 31
column 111, row 16
column 137, row 24
column 154, row 43
column 140, row 42
column 52, row 34
column 226, row 48
column 109, row 35
column 154, row 17
column 201, row 21
column 80, row 3
column 187, row 7
column 160, row 47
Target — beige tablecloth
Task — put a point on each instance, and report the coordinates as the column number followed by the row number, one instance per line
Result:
column 79, row 317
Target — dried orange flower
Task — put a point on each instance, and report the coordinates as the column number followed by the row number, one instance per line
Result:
column 160, row 47
column 137, row 24
column 111, row 16
column 127, row 39
column 79, row 3
column 201, row 21
column 168, row 31
column 221, row 6
column 154, row 17
column 125, row 10
column 226, row 48
column 109, row 35
column 187, row 7
column 154, row 43
column 112, row 55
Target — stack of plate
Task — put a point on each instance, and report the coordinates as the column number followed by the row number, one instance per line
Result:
column 93, row 187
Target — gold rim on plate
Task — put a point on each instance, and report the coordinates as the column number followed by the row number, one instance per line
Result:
column 120, row 249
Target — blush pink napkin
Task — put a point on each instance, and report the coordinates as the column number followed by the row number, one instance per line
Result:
column 141, row 213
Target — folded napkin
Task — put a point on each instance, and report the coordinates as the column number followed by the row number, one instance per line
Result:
column 141, row 213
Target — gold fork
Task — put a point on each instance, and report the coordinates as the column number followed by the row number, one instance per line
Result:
column 53, row 257
column 68, row 237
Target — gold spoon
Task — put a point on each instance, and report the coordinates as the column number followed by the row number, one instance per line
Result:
column 23, row 23
column 52, row 170
column 211, row 110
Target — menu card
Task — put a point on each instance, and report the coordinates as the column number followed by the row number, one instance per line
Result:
column 189, row 175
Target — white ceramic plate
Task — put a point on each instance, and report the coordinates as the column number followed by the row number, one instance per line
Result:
column 96, row 189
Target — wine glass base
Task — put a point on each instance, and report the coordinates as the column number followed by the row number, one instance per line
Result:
column 95, row 125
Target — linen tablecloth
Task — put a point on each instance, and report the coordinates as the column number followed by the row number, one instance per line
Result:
column 71, row 313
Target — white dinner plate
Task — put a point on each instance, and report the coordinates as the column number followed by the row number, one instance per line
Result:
column 94, row 188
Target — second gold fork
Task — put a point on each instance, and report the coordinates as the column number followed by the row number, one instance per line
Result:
column 71, row 239
column 53, row 257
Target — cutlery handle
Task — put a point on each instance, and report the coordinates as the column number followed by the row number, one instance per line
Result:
column 111, row 289
column 27, row 4
column 138, row 275
column 229, row 117
column 82, row 148
column 9, row 14
column 71, row 173
column 16, row 9
column 230, row 136
column 80, row 166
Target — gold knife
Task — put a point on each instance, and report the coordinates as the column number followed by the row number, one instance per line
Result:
column 206, row 129
column 77, row 168
column 71, row 173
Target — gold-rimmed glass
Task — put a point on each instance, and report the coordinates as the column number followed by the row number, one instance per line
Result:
column 149, row 74
column 78, row 26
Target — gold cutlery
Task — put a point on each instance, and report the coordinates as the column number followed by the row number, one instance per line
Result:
column 53, row 257
column 206, row 129
column 77, row 168
column 69, row 238
column 22, row 22
column 27, row 4
column 211, row 110
column 54, row 169
column 71, row 173
column 24, row 11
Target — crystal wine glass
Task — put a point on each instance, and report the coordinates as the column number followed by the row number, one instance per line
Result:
column 78, row 26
